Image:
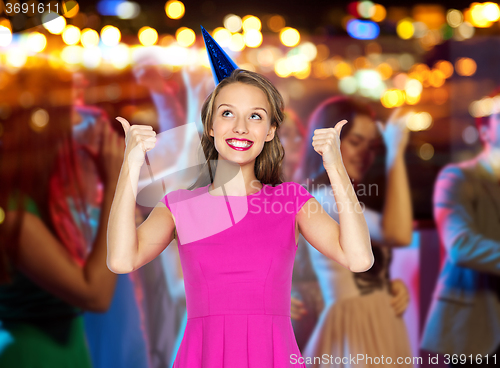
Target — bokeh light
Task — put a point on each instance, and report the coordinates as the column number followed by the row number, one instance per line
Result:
column 5, row 36
column 379, row 13
column 147, row 36
column 250, row 22
column 465, row 67
column 110, row 36
column 128, row 10
column 232, row 23
column 237, row 42
column 54, row 25
column 222, row 36
column 366, row 9
column 39, row 120
column 70, row 9
column 174, row 9
column 276, row 23
column 405, row 29
column 89, row 38
column 253, row 38
column 446, row 67
column 71, row 35
column 289, row 36
column 185, row 36
column 426, row 151
column 392, row 98
column 454, row 17
column 419, row 121
column 37, row 42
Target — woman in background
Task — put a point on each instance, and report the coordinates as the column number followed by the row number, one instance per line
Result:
column 363, row 311
column 44, row 286
column 307, row 302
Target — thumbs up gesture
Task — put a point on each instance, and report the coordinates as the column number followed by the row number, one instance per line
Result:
column 327, row 143
column 138, row 140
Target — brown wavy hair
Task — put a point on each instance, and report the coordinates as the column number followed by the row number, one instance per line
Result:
column 268, row 165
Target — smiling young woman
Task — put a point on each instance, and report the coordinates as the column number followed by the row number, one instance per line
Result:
column 237, row 240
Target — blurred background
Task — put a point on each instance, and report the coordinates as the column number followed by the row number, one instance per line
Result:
column 435, row 60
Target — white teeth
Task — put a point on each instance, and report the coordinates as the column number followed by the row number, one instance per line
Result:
column 236, row 143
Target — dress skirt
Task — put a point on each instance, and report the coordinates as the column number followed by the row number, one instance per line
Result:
column 365, row 325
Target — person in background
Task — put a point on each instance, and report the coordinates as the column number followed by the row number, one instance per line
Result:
column 363, row 311
column 307, row 302
column 45, row 287
column 463, row 322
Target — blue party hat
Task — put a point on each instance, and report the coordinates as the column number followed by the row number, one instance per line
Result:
column 221, row 63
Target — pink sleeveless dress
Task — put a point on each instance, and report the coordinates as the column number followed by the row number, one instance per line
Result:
column 237, row 256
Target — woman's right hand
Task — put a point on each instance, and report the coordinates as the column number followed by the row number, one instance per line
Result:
column 138, row 140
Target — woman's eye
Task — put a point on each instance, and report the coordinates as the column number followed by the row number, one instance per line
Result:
column 354, row 143
column 256, row 115
column 227, row 113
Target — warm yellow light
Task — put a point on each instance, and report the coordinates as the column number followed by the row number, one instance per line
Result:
column 37, row 41
column 110, row 36
column 16, row 57
column 54, row 25
column 304, row 73
column 222, row 36
column 491, row 11
column 405, row 29
column 70, row 8
column 185, row 36
column 72, row 54
column 253, row 38
column 454, row 17
column 120, row 57
column 2, row 215
column 465, row 67
column 250, row 22
column 39, row 120
column 282, row 69
column 289, row 36
column 237, row 42
column 478, row 16
column 276, row 23
column 385, row 70
column 174, row 9
column 5, row 36
column 436, row 78
column 379, row 13
column 232, row 22
column 89, row 38
column 71, row 35
column 446, row 67
column 392, row 98
column 413, row 88
column 412, row 100
column 148, row 36
column 342, row 70
column 419, row 121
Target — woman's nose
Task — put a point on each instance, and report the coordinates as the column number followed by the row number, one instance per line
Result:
column 240, row 127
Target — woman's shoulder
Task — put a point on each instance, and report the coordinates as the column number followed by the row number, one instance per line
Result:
column 290, row 189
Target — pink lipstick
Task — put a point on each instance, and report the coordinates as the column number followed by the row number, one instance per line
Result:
column 239, row 144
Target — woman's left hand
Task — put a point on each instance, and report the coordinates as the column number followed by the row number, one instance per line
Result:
column 400, row 296
column 327, row 143
column 395, row 132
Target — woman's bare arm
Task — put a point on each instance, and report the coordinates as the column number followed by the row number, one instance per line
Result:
column 46, row 261
column 130, row 248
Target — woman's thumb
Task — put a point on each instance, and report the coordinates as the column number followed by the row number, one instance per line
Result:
column 125, row 124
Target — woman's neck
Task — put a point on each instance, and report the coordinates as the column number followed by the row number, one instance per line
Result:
column 237, row 180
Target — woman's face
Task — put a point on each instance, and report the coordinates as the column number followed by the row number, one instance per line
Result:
column 241, row 123
column 359, row 147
